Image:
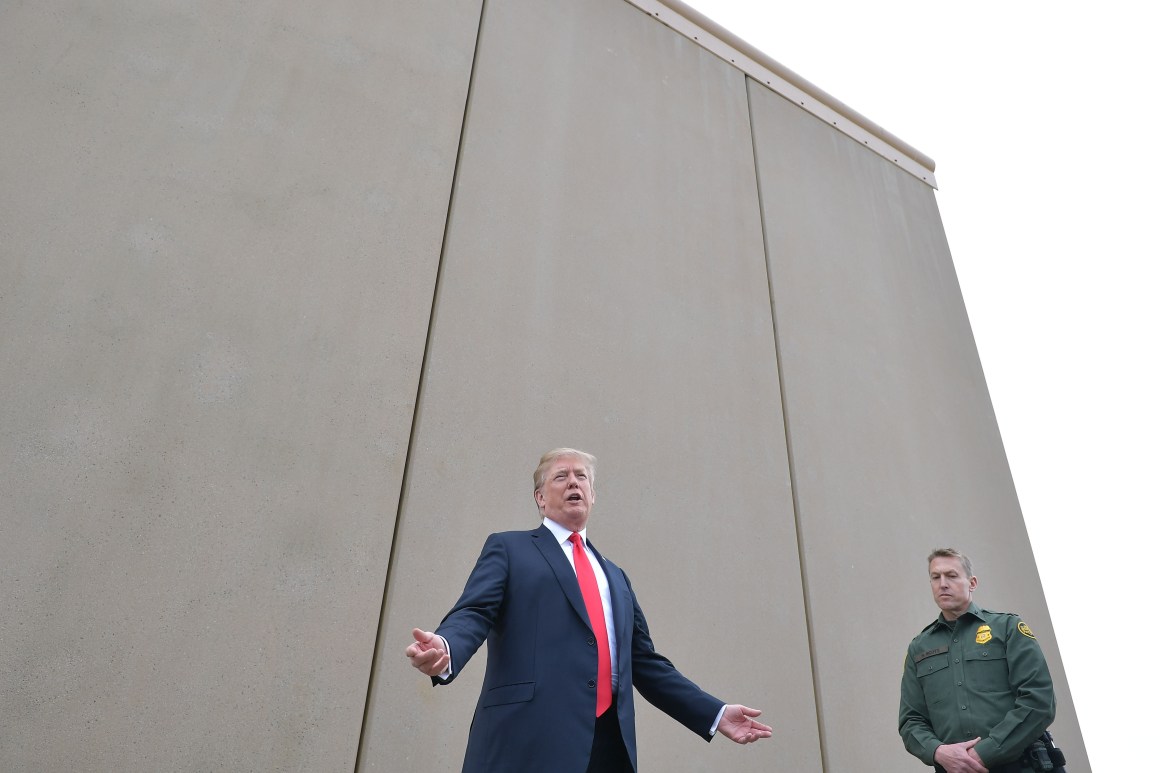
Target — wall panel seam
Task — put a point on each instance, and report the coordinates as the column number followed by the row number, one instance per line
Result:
column 785, row 427
column 421, row 382
column 763, row 69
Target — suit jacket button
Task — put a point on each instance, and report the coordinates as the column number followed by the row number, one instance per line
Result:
column 591, row 682
column 591, row 641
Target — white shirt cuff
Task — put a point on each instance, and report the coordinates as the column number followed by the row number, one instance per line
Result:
column 447, row 671
column 717, row 721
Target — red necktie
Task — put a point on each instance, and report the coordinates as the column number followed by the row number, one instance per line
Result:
column 591, row 593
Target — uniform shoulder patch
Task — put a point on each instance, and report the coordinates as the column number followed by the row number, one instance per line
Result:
column 983, row 635
column 1025, row 630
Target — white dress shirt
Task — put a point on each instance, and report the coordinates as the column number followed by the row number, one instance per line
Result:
column 563, row 535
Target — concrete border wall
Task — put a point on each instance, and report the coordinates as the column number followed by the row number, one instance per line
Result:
column 293, row 299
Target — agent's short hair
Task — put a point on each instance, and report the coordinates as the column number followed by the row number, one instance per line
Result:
column 951, row 553
column 548, row 459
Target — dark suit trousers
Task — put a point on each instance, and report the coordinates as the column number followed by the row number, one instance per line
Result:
column 608, row 752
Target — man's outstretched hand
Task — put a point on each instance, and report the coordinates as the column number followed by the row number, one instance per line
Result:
column 738, row 726
column 428, row 653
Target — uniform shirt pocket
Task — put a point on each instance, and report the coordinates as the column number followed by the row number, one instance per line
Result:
column 985, row 667
column 935, row 677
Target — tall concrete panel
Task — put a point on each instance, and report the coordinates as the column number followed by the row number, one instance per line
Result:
column 894, row 443
column 220, row 225
column 274, row 337
column 604, row 286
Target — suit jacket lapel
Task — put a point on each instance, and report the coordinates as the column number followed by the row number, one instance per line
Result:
column 618, row 590
column 545, row 540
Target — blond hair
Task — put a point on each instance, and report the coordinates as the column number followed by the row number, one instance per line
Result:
column 951, row 553
column 549, row 458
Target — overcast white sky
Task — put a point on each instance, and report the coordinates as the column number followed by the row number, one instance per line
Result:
column 1041, row 118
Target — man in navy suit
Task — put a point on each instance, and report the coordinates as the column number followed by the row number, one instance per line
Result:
column 567, row 643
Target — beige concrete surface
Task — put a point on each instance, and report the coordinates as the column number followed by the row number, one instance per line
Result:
column 214, row 290
column 893, row 439
column 222, row 238
column 604, row 287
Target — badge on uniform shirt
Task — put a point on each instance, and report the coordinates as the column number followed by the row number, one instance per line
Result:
column 983, row 635
column 1025, row 630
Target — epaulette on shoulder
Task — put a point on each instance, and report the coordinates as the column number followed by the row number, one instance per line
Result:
column 995, row 612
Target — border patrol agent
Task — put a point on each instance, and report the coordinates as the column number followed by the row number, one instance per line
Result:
column 976, row 693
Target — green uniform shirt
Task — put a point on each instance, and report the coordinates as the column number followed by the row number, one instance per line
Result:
column 981, row 675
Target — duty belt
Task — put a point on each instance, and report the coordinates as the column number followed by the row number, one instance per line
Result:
column 1041, row 755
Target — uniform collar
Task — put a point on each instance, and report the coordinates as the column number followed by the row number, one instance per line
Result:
column 972, row 610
